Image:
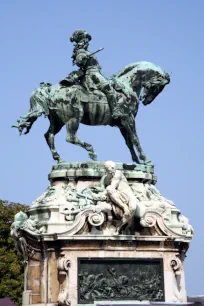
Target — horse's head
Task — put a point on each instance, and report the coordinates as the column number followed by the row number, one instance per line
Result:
column 153, row 86
column 146, row 79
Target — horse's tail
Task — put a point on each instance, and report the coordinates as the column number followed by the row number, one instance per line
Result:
column 39, row 102
column 34, row 103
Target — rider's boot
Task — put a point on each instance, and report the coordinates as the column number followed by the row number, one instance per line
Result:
column 121, row 109
column 118, row 111
column 118, row 102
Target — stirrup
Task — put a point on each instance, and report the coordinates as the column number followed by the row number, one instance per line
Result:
column 117, row 114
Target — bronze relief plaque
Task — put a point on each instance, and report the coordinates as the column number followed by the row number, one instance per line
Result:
column 109, row 279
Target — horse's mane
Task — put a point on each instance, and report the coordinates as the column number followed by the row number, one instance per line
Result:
column 127, row 69
column 141, row 66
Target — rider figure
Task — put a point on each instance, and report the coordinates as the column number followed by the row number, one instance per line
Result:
column 89, row 74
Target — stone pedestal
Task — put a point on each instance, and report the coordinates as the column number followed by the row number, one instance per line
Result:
column 53, row 273
column 74, row 254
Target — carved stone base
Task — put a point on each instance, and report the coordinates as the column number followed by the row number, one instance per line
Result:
column 81, row 269
column 66, row 207
column 70, row 226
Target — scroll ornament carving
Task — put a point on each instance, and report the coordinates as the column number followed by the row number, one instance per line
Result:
column 176, row 265
column 96, row 218
column 148, row 220
column 63, row 266
column 177, row 268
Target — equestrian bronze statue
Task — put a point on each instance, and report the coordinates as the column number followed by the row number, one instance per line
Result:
column 86, row 96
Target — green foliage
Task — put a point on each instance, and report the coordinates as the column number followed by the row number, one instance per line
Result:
column 11, row 266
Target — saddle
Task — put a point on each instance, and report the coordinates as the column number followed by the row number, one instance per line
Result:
column 95, row 96
column 91, row 96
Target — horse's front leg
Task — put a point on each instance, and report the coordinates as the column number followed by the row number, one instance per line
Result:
column 129, row 144
column 142, row 155
column 72, row 128
column 49, row 136
column 129, row 124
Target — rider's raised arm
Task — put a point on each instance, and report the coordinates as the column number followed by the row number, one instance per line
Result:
column 81, row 58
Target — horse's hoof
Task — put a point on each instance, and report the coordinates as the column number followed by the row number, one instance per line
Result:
column 93, row 156
column 148, row 163
column 60, row 161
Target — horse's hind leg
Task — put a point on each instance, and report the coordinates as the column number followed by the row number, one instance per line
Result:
column 49, row 136
column 129, row 144
column 72, row 126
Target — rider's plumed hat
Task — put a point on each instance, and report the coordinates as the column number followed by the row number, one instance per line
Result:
column 80, row 35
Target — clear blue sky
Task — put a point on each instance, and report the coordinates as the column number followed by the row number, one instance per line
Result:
column 35, row 47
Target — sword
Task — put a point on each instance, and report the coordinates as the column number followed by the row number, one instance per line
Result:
column 75, row 63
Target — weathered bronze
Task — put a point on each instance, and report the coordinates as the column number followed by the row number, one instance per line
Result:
column 86, row 96
column 120, row 279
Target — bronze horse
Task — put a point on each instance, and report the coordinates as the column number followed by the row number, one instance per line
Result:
column 73, row 105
